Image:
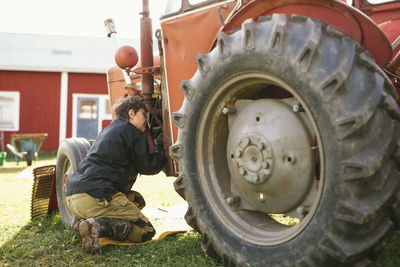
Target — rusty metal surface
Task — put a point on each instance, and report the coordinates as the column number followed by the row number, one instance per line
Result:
column 336, row 13
column 126, row 57
column 117, row 87
column 151, row 70
column 146, row 53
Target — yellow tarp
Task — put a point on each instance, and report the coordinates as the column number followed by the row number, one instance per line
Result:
column 104, row 241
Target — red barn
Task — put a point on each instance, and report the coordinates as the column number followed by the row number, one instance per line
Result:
column 53, row 84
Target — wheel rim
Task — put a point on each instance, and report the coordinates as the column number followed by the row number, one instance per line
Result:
column 236, row 182
column 66, row 172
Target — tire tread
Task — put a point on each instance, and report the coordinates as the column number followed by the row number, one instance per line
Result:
column 359, row 168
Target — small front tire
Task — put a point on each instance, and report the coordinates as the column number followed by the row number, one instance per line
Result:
column 70, row 153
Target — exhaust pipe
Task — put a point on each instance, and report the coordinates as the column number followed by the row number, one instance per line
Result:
column 146, row 54
column 112, row 33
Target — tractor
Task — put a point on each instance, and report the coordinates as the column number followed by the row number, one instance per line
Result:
column 271, row 111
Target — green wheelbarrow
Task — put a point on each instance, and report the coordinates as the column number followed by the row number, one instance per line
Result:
column 26, row 146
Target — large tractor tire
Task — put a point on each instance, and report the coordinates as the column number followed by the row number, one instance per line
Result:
column 70, row 153
column 286, row 147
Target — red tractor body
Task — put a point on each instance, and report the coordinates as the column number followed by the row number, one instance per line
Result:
column 375, row 27
column 282, row 110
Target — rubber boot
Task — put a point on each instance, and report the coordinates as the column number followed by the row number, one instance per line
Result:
column 136, row 198
column 116, row 229
column 90, row 230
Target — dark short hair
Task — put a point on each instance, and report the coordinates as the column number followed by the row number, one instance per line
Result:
column 123, row 105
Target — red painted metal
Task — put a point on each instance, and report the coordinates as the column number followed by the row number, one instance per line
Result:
column 126, row 57
column 182, row 43
column 82, row 83
column 116, row 84
column 386, row 15
column 39, row 103
column 391, row 28
column 381, row 12
column 105, row 123
column 336, row 13
column 53, row 203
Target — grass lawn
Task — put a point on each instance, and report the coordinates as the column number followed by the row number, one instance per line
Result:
column 45, row 241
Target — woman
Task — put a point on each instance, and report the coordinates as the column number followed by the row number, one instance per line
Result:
column 99, row 192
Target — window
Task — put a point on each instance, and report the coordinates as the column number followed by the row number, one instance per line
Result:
column 87, row 109
column 172, row 6
column 195, row 2
column 9, row 111
column 376, row 2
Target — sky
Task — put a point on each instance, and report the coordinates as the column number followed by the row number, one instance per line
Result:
column 75, row 17
column 78, row 17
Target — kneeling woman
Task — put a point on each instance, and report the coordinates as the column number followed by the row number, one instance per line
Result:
column 99, row 192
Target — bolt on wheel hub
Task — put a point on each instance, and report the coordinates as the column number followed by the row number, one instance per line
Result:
column 254, row 159
column 269, row 155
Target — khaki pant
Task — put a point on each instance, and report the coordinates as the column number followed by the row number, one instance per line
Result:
column 85, row 206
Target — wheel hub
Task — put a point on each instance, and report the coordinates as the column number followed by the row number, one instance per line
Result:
column 254, row 159
column 269, row 156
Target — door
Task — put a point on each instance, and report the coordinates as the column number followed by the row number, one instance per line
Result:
column 87, row 117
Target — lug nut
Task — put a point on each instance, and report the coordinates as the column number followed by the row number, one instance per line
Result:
column 238, row 153
column 246, row 142
column 297, row 108
column 303, row 209
column 255, row 178
column 265, row 165
column 228, row 110
column 261, row 197
column 232, row 200
column 260, row 146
